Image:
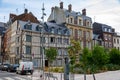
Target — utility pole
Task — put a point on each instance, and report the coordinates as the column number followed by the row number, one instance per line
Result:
column 43, row 61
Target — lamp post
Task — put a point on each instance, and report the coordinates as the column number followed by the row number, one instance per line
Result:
column 43, row 61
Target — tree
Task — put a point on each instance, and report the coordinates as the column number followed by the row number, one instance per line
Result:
column 114, row 56
column 72, row 51
column 99, row 57
column 51, row 54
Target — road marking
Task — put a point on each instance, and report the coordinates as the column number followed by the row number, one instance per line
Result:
column 8, row 78
column 19, row 78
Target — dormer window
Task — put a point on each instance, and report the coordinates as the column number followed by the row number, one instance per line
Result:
column 80, row 22
column 88, row 23
column 65, row 31
column 59, row 31
column 38, row 28
column 52, row 30
column 28, row 26
column 71, row 20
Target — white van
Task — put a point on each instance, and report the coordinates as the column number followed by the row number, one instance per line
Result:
column 25, row 67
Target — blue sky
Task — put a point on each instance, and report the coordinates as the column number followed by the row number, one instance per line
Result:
column 102, row 11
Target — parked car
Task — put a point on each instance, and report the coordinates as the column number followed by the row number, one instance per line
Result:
column 4, row 67
column 13, row 67
column 25, row 67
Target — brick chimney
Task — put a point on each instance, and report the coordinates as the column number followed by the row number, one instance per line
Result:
column 84, row 12
column 69, row 7
column 61, row 5
column 25, row 11
column 52, row 9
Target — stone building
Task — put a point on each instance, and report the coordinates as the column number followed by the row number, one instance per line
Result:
column 105, row 34
column 79, row 24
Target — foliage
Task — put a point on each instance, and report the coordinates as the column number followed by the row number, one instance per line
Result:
column 99, row 57
column 73, row 50
column 114, row 56
column 51, row 54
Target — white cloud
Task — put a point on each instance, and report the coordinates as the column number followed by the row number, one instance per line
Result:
column 105, row 11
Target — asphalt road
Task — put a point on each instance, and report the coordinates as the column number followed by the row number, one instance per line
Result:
column 13, row 76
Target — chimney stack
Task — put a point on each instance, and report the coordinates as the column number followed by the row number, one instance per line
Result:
column 69, row 7
column 25, row 11
column 61, row 5
column 52, row 9
column 84, row 12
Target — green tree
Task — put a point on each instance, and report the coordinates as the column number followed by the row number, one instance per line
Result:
column 99, row 57
column 73, row 50
column 51, row 54
column 114, row 56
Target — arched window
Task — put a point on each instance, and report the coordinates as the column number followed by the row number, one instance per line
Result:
column 38, row 28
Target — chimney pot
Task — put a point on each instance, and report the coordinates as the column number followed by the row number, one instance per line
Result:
column 69, row 7
column 52, row 9
column 61, row 5
column 84, row 12
column 25, row 11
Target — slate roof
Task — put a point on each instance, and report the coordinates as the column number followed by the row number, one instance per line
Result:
column 49, row 25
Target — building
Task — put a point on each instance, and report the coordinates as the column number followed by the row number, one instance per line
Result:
column 79, row 24
column 116, row 41
column 27, row 38
column 105, row 34
column 57, row 36
column 3, row 27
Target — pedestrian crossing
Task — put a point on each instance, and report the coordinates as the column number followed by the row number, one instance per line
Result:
column 14, row 78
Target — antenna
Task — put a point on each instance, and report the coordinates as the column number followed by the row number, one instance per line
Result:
column 17, row 10
column 43, row 14
column 4, row 19
column 24, row 5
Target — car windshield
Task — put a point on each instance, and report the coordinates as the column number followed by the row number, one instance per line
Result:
column 16, row 65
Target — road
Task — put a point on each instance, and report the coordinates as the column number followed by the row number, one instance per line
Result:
column 13, row 76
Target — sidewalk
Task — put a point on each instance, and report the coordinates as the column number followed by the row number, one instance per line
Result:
column 110, row 75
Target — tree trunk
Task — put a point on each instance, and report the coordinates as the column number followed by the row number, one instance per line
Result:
column 94, row 76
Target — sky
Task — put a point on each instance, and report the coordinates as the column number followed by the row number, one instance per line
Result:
column 102, row 11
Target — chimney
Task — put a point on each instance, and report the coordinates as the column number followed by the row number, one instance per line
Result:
column 69, row 7
column 61, row 5
column 84, row 12
column 52, row 9
column 25, row 11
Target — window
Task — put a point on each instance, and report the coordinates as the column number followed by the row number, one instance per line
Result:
column 59, row 31
column 80, row 33
column 28, row 49
column 66, row 41
column 71, row 31
column 17, row 39
column 28, row 26
column 52, row 40
column 71, row 20
column 60, row 40
column 105, row 29
column 38, row 28
column 52, row 30
column 17, row 50
column 118, row 41
column 88, row 23
column 109, row 30
column 114, row 40
column 80, row 22
column 28, row 38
